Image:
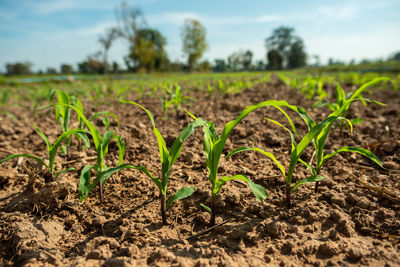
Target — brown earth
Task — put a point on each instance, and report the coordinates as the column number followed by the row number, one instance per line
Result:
column 351, row 221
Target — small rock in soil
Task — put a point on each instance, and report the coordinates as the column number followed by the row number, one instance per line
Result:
column 354, row 254
column 328, row 249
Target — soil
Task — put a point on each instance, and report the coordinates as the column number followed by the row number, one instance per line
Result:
column 353, row 220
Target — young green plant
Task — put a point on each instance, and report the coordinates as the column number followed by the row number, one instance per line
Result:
column 342, row 97
column 340, row 112
column 102, row 171
column 297, row 150
column 173, row 98
column 51, row 149
column 167, row 160
column 213, row 146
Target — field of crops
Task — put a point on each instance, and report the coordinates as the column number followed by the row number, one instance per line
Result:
column 242, row 169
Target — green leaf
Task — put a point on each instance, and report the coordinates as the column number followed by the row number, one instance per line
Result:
column 103, row 176
column 106, row 115
column 268, row 154
column 365, row 86
column 97, row 138
column 121, row 148
column 217, row 151
column 309, row 166
column 208, row 209
column 176, row 147
column 63, row 171
column 43, row 136
column 311, row 179
column 53, row 149
column 147, row 111
column 180, row 194
column 258, row 191
column 359, row 150
column 84, row 183
column 24, row 156
column 356, row 121
column 164, row 154
column 145, row 171
column 84, row 137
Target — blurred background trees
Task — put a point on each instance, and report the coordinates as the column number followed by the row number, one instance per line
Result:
column 284, row 49
column 194, row 42
column 147, row 52
column 19, row 68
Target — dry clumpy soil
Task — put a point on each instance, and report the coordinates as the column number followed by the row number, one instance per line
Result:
column 353, row 220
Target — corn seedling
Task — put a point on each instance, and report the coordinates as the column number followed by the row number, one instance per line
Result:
column 51, row 149
column 341, row 110
column 102, row 171
column 62, row 113
column 295, row 154
column 5, row 94
column 174, row 99
column 167, row 160
column 342, row 97
column 213, row 146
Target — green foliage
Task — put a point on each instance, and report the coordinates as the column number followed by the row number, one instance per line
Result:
column 340, row 110
column 102, row 171
column 297, row 150
column 147, row 52
column 194, row 41
column 285, row 49
column 167, row 160
column 213, row 146
column 342, row 97
column 51, row 149
column 173, row 98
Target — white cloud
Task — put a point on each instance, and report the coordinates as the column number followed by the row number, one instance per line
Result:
column 179, row 17
column 269, row 18
column 337, row 12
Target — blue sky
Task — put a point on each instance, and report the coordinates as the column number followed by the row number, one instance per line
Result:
column 51, row 32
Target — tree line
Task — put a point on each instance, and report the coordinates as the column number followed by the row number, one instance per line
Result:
column 146, row 50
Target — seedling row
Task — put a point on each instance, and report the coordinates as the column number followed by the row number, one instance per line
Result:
column 66, row 107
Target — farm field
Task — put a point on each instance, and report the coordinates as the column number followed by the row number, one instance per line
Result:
column 353, row 218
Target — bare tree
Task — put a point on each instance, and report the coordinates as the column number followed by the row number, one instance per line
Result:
column 106, row 41
column 129, row 21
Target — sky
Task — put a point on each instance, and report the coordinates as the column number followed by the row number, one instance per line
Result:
column 50, row 32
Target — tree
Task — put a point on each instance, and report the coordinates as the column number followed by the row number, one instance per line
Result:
column 395, row 56
column 115, row 67
column 296, row 56
column 51, row 70
column 280, row 45
column 194, row 41
column 66, row 69
column 260, row 65
column 106, row 41
column 240, row 60
column 220, row 65
column 129, row 20
column 147, row 51
column 274, row 60
column 19, row 68
column 92, row 65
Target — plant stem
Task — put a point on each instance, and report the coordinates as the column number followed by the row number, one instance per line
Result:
column 316, row 183
column 163, row 204
column 101, row 192
column 213, row 211
column 288, row 196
